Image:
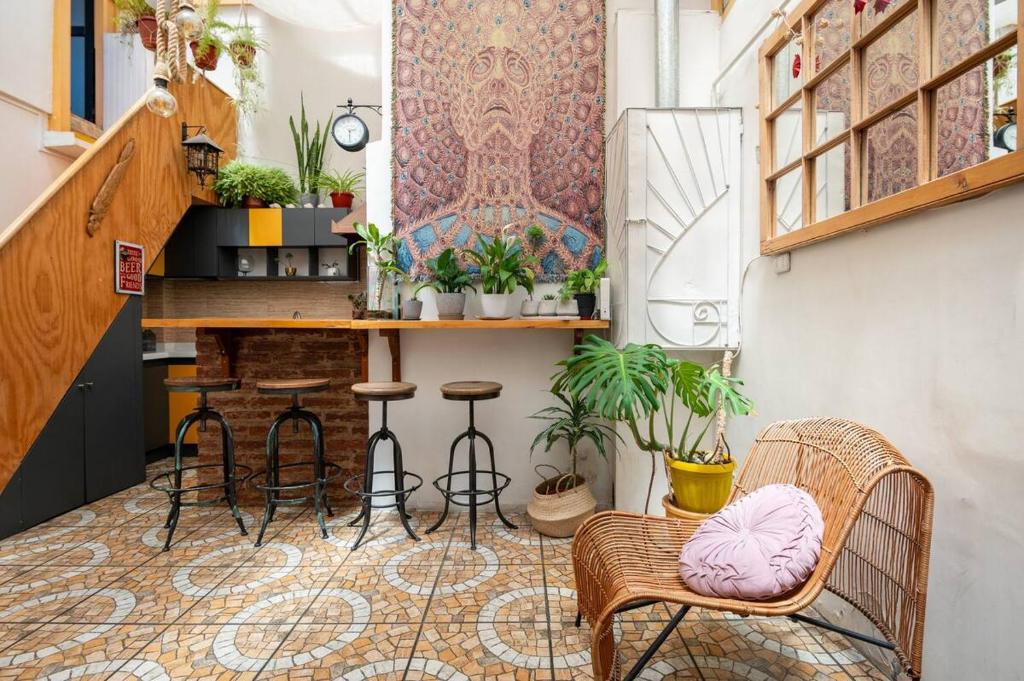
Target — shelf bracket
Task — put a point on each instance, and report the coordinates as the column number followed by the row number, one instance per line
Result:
column 395, row 346
column 226, row 348
column 362, row 337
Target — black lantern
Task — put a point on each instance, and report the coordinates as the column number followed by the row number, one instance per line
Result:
column 202, row 155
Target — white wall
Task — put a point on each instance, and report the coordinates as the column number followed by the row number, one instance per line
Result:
column 913, row 328
column 25, row 80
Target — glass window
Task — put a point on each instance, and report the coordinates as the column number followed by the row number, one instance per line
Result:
column 890, row 154
column 890, row 65
column 963, row 27
column 788, row 136
column 784, row 83
column 831, row 26
column 83, row 60
column 789, row 204
column 869, row 18
column 832, row 182
column 832, row 105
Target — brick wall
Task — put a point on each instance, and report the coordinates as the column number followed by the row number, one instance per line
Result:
column 287, row 353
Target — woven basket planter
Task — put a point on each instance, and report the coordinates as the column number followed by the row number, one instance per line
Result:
column 557, row 509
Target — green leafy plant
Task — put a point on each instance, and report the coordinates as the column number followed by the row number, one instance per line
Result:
column 129, row 11
column 214, row 30
column 637, row 383
column 504, row 266
column 584, row 280
column 238, row 179
column 446, row 274
column 572, row 421
column 348, row 182
column 309, row 150
column 534, row 236
column 549, row 296
column 382, row 248
column 244, row 45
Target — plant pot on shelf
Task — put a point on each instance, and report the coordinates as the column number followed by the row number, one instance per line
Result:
column 411, row 309
column 253, row 202
column 700, row 487
column 342, row 199
column 567, row 308
column 585, row 303
column 378, row 314
column 207, row 61
column 148, row 29
column 451, row 305
column 547, row 308
column 495, row 305
column 530, row 308
column 309, row 199
column 560, row 505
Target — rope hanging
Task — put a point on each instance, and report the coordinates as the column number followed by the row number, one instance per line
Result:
column 170, row 46
column 720, row 426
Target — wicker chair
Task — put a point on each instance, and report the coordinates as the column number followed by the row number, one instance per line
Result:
column 878, row 521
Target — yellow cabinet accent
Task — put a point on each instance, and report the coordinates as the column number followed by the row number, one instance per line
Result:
column 265, row 227
column 157, row 268
column 180, row 404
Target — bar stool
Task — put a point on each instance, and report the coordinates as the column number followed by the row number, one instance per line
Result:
column 383, row 392
column 171, row 481
column 471, row 391
column 269, row 480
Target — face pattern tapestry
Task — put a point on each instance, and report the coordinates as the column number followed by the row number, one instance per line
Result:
column 499, row 120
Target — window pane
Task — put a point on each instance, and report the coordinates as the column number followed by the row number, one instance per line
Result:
column 969, row 111
column 890, row 154
column 789, row 202
column 870, row 18
column 962, row 27
column 832, row 105
column 832, row 182
column 784, row 83
column 788, row 138
column 831, row 32
column 890, row 65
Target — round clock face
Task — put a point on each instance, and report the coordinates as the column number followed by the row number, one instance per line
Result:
column 350, row 132
column 1006, row 137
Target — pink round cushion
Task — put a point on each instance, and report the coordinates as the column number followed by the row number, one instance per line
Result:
column 761, row 546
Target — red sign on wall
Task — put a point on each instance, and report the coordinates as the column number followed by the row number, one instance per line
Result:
column 129, row 268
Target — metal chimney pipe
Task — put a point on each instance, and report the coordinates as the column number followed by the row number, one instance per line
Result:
column 666, row 26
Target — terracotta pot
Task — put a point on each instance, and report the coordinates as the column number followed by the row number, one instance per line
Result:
column 253, row 202
column 342, row 199
column 244, row 55
column 148, row 29
column 208, row 60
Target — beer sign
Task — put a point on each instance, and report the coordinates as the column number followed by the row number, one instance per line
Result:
column 129, row 268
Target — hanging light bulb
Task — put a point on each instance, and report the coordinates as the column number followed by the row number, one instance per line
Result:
column 189, row 23
column 159, row 100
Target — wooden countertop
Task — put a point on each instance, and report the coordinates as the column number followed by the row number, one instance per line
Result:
column 279, row 323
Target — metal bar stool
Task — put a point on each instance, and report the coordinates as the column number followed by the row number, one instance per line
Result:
column 269, row 480
column 383, row 392
column 171, row 481
column 471, row 391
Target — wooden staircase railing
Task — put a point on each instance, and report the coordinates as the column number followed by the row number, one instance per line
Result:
column 57, row 282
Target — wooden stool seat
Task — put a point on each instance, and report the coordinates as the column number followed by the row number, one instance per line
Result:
column 384, row 390
column 292, row 386
column 471, row 390
column 195, row 384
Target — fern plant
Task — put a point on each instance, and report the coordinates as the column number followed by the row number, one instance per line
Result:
column 309, row 150
column 238, row 179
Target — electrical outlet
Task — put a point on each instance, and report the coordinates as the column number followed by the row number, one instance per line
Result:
column 782, row 263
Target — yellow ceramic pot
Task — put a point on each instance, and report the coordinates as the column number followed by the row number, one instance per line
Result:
column 699, row 487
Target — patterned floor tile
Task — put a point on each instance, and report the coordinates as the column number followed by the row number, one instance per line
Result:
column 571, row 651
column 353, row 650
column 399, row 597
column 518, row 546
column 42, row 545
column 387, row 538
column 499, row 651
column 51, row 648
column 42, row 593
column 261, row 595
column 468, row 585
column 209, row 652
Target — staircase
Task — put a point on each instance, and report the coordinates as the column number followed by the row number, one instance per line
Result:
column 57, row 282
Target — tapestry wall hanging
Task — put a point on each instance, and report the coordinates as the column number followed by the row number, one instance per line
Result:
column 499, row 120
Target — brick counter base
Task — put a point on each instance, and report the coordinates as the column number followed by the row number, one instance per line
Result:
column 287, row 353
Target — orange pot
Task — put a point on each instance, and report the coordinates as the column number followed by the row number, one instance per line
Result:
column 148, row 29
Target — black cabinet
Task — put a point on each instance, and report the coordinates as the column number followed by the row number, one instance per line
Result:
column 156, row 405
column 323, row 235
column 10, row 507
column 232, row 226
column 191, row 252
column 92, row 445
column 297, row 226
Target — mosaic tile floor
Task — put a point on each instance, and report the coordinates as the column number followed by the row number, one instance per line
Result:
column 89, row 595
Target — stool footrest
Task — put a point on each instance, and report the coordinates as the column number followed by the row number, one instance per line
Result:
column 491, row 493
column 353, row 486
column 170, row 489
column 331, row 472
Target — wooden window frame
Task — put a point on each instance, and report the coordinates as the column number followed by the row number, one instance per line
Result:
column 61, row 119
column 930, row 191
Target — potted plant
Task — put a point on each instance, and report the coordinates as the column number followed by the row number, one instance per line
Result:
column 639, row 384
column 243, row 46
column 561, row 503
column 333, row 268
column 136, row 16
column 530, row 307
column 412, row 307
column 504, row 267
column 358, row 301
column 309, row 156
column 548, row 305
column 381, row 248
column 290, row 270
column 207, row 49
column 450, row 281
column 582, row 285
column 247, row 185
column 342, row 186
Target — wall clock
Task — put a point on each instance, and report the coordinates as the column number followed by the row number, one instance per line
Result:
column 350, row 132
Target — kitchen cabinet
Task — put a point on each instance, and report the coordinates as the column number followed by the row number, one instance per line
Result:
column 323, row 235
column 10, row 507
column 191, row 252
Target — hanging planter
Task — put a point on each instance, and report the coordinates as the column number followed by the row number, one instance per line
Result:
column 148, row 29
column 208, row 59
column 242, row 53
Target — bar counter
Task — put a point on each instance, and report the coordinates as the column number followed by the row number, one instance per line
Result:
column 367, row 324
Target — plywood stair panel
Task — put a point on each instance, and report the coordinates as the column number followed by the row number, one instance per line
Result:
column 57, row 283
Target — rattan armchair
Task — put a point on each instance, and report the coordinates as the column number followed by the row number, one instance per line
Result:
column 878, row 520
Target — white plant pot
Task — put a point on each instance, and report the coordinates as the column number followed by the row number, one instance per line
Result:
column 530, row 308
column 567, row 308
column 451, row 305
column 495, row 305
column 411, row 309
column 547, row 308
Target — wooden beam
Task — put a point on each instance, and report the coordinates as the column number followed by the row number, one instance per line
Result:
column 60, row 98
column 395, row 347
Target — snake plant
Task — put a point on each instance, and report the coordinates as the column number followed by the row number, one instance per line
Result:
column 309, row 150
